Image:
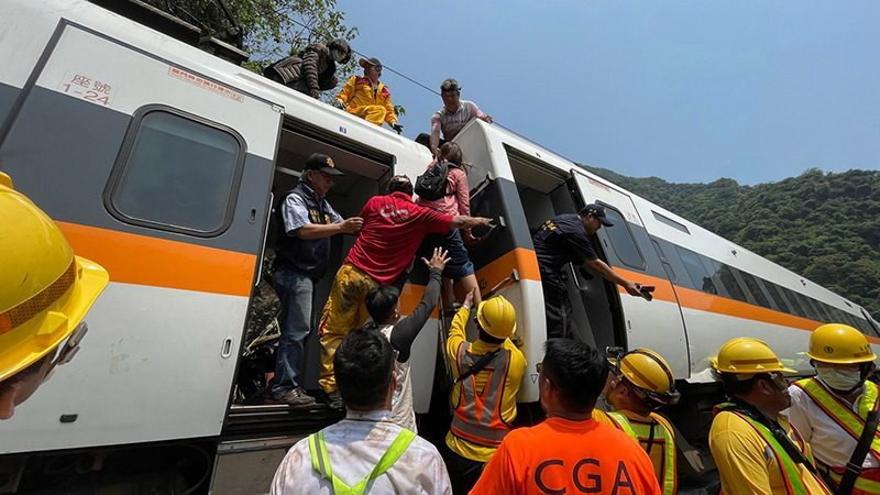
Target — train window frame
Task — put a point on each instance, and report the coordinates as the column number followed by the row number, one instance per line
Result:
column 632, row 238
column 871, row 323
column 683, row 254
column 795, row 302
column 777, row 294
column 804, row 302
column 757, row 294
column 824, row 311
column 664, row 260
column 124, row 157
column 727, row 271
column 670, row 222
column 817, row 309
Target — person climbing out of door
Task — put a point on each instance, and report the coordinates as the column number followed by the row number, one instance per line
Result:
column 566, row 239
column 394, row 228
column 444, row 188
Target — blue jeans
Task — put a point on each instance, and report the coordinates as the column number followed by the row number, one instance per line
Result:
column 295, row 291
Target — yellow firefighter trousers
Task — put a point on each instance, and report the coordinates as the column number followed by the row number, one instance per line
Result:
column 374, row 114
column 345, row 310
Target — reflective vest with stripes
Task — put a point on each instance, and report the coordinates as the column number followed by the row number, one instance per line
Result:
column 657, row 433
column 477, row 418
column 321, row 462
column 850, row 421
column 787, row 467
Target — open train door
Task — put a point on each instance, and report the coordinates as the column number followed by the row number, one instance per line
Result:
column 505, row 259
column 655, row 324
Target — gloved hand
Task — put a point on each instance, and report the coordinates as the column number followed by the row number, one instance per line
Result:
column 397, row 128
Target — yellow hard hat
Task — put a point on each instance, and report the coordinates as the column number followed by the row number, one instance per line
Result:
column 647, row 370
column 497, row 317
column 747, row 355
column 839, row 344
column 45, row 291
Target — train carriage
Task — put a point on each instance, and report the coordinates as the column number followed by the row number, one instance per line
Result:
column 163, row 163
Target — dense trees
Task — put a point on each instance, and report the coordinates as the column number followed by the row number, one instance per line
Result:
column 824, row 226
column 268, row 29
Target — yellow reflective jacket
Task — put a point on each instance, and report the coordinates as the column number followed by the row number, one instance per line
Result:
column 372, row 104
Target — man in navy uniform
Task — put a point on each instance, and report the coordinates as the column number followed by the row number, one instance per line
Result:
column 566, row 239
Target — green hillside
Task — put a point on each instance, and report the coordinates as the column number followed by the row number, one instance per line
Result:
column 824, row 226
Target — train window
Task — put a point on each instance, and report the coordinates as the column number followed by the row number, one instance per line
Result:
column 838, row 315
column 697, row 272
column 754, row 287
column 872, row 324
column 778, row 297
column 862, row 325
column 665, row 261
column 824, row 311
column 852, row 320
column 732, row 285
column 796, row 303
column 672, row 223
column 176, row 172
column 816, row 309
column 804, row 302
column 622, row 240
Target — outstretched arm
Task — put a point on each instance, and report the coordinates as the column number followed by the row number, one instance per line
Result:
column 598, row 266
column 466, row 222
column 406, row 330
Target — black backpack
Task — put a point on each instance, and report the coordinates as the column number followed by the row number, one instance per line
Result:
column 433, row 183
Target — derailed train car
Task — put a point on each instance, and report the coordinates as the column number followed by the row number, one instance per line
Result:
column 162, row 163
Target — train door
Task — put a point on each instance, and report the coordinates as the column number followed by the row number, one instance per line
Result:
column 162, row 174
column 656, row 324
column 505, row 259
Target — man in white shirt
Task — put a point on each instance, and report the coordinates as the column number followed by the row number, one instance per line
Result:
column 366, row 452
column 829, row 410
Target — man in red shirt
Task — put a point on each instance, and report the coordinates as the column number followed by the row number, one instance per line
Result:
column 569, row 452
column 394, row 228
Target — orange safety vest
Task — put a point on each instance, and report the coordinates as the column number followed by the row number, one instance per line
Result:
column 477, row 418
column 849, row 421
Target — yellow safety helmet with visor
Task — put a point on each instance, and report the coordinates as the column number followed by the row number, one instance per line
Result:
column 45, row 290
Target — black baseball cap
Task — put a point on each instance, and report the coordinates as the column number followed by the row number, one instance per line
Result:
column 322, row 163
column 597, row 211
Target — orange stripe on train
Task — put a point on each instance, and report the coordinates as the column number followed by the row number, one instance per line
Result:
column 145, row 260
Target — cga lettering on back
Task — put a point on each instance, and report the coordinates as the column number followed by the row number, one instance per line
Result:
column 586, row 475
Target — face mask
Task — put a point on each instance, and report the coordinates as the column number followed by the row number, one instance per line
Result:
column 839, row 379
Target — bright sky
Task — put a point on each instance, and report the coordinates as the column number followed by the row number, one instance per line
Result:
column 689, row 91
